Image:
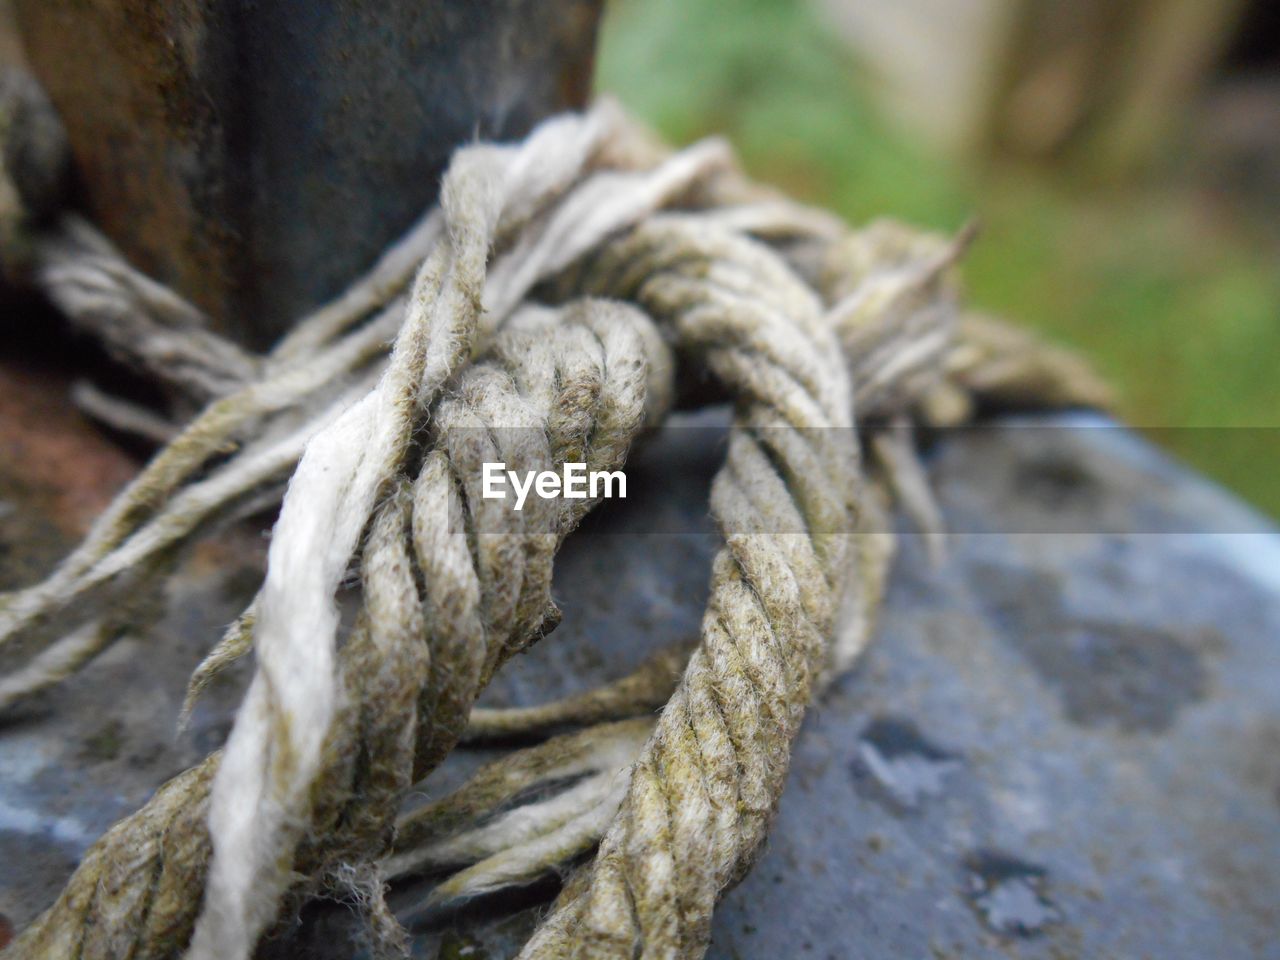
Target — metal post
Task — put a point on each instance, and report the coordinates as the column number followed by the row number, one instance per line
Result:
column 257, row 155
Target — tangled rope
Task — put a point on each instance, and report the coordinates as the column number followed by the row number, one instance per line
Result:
column 534, row 315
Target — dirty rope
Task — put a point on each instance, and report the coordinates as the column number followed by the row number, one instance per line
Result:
column 536, row 316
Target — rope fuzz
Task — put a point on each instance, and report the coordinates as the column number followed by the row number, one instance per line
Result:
column 536, row 317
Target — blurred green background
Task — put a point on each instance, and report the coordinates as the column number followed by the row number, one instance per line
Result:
column 1160, row 277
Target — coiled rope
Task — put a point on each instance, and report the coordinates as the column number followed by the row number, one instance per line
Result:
column 535, row 317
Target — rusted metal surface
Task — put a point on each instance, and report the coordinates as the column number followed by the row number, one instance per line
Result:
column 257, row 155
column 57, row 469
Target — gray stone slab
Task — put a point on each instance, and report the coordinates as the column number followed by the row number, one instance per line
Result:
column 1059, row 744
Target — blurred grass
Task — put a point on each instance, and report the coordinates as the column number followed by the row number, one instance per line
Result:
column 1174, row 298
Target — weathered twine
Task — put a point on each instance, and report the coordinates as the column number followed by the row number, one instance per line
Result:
column 537, row 317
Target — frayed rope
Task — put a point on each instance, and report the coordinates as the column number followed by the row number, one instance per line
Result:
column 640, row 258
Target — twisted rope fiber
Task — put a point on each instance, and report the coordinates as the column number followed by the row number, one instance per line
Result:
column 705, row 785
column 394, row 681
column 311, row 377
column 602, row 410
column 769, row 278
column 332, row 733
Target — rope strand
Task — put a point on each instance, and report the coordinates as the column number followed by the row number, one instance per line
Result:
column 812, row 330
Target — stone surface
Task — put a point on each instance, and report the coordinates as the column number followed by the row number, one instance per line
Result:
column 256, row 156
column 1059, row 745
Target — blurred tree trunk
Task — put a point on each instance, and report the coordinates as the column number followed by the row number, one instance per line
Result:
column 1098, row 82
